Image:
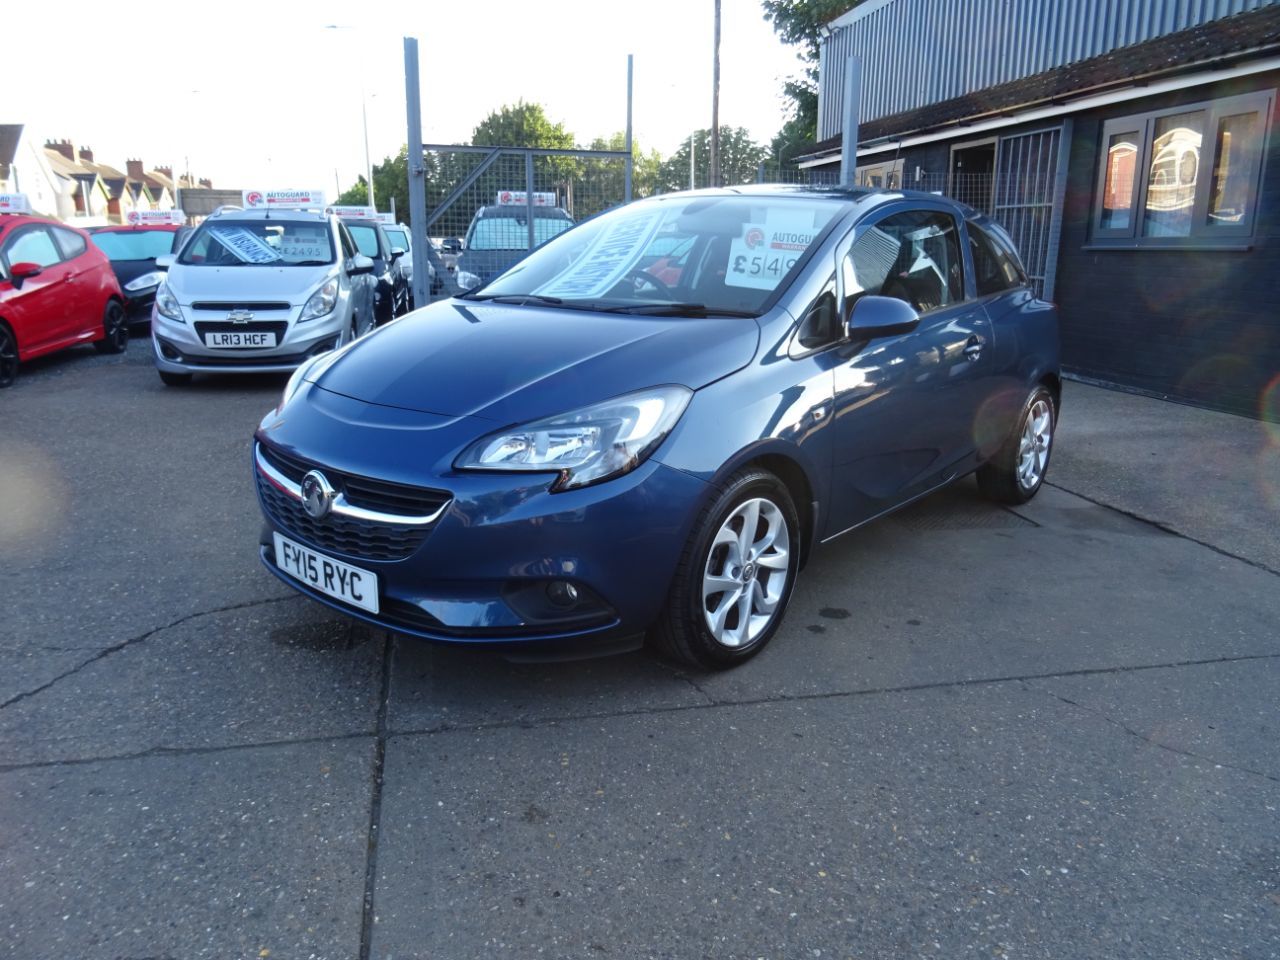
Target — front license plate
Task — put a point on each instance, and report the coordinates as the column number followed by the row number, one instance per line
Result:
column 340, row 580
column 236, row 338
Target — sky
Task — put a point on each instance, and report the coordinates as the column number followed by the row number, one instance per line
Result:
column 269, row 94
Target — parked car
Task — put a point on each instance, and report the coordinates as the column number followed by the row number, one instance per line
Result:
column 393, row 290
column 56, row 291
column 584, row 453
column 260, row 291
column 498, row 239
column 132, row 251
column 399, row 238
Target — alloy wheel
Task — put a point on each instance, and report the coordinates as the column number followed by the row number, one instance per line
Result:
column 746, row 573
column 1033, row 448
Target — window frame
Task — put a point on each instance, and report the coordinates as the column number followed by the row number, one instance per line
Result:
column 71, row 236
column 1202, row 234
column 22, row 231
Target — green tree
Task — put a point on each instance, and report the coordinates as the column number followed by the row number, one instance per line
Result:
column 798, row 22
column 356, row 195
column 522, row 125
column 740, row 159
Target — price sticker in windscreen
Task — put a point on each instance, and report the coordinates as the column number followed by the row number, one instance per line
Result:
column 762, row 256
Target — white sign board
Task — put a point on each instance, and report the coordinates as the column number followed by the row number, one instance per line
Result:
column 14, row 203
column 766, row 252
column 387, row 218
column 611, row 256
column 147, row 218
column 351, row 213
column 508, row 198
column 283, row 199
column 247, row 246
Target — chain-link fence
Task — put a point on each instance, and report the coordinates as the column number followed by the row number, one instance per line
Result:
column 487, row 207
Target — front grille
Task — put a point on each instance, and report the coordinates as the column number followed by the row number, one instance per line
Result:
column 243, row 305
column 278, row 327
column 338, row 534
column 381, row 495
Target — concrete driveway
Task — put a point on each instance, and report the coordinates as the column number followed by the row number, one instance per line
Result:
column 1049, row 732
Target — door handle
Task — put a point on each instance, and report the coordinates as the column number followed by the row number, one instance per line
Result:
column 973, row 349
column 68, row 278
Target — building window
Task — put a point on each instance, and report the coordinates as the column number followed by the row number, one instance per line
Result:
column 1186, row 175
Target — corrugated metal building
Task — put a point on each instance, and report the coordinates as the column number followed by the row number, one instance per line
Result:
column 1127, row 146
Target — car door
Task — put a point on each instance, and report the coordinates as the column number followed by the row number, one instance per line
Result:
column 906, row 407
column 43, row 312
column 85, row 279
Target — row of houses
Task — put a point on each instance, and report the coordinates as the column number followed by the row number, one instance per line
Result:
column 1131, row 148
column 67, row 183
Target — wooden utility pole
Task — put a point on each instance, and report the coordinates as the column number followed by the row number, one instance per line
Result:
column 715, row 103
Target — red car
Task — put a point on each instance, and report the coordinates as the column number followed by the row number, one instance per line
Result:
column 56, row 290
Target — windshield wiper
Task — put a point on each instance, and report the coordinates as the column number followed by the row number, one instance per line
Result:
column 519, row 298
column 310, row 263
column 678, row 310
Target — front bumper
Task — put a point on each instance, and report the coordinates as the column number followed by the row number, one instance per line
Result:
column 490, row 568
column 178, row 347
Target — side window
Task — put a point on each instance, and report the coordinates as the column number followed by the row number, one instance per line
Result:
column 348, row 245
column 71, row 243
column 994, row 268
column 914, row 256
column 32, row 245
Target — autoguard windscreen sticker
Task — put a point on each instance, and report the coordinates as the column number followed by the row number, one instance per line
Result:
column 614, row 252
column 764, row 252
column 247, row 246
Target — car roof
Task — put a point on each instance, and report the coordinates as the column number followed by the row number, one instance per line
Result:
column 137, row 228
column 10, row 220
column 867, row 197
column 517, row 209
column 303, row 216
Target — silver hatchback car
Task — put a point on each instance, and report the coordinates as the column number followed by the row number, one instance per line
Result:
column 260, row 291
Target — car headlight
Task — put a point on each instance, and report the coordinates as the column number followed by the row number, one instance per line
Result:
column 467, row 280
column 584, row 446
column 167, row 304
column 145, row 282
column 322, row 301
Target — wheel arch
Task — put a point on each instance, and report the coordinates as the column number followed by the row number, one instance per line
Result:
column 787, row 464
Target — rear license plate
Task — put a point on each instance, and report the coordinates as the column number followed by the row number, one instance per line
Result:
column 339, row 580
column 236, row 338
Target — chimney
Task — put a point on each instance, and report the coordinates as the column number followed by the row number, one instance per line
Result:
column 167, row 171
column 134, row 169
column 206, row 183
column 63, row 147
column 86, row 154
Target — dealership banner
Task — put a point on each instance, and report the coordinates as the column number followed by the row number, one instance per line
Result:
column 14, row 203
column 284, row 199
column 357, row 213
column 147, row 218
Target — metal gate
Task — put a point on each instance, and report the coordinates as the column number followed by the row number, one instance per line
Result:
column 1027, row 198
column 487, row 207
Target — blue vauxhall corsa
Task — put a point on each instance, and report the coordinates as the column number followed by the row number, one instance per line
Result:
column 643, row 428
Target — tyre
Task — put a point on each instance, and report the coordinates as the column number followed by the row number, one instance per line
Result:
column 8, row 356
column 115, row 329
column 1015, row 474
column 734, row 579
column 174, row 379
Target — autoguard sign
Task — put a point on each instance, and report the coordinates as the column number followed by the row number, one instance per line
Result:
column 283, row 199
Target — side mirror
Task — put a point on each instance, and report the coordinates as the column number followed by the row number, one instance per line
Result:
column 396, row 253
column 360, row 264
column 23, row 271
column 165, row 262
column 870, row 317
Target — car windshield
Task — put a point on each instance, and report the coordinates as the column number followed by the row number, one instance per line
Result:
column 512, row 233
column 366, row 237
column 399, row 240
column 135, row 244
column 275, row 243
column 692, row 256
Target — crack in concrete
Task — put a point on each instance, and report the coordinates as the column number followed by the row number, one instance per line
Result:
column 164, row 751
column 131, row 641
column 375, row 801
column 716, row 704
column 1137, row 734
column 1165, row 528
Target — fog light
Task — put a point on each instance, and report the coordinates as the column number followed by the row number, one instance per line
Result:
column 562, row 593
